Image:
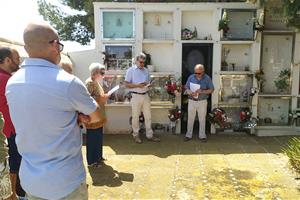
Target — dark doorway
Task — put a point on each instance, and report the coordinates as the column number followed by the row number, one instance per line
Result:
column 193, row 54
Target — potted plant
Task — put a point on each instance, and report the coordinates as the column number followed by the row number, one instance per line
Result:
column 148, row 62
column 282, row 82
column 292, row 150
column 223, row 25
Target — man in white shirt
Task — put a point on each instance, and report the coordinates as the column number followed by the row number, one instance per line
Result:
column 137, row 79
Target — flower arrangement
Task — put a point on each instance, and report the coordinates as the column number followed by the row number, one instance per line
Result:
column 187, row 34
column 174, row 114
column 173, row 86
column 218, row 118
column 282, row 82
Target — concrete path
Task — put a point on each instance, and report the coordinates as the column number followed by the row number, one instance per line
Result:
column 226, row 167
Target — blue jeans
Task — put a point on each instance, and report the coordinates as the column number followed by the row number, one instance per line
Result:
column 94, row 145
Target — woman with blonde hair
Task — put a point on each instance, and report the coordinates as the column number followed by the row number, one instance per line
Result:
column 94, row 141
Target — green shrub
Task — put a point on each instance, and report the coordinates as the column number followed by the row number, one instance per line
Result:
column 293, row 152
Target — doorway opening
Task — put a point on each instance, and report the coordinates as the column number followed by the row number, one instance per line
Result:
column 192, row 54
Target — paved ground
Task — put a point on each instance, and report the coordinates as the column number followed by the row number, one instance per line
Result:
column 226, row 167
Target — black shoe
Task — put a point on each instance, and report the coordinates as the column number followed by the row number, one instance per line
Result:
column 187, row 139
column 203, row 140
column 101, row 160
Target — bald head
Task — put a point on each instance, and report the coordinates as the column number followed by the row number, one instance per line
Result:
column 199, row 70
column 199, row 66
column 37, row 37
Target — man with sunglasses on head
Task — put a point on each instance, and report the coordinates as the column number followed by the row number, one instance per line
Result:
column 137, row 79
column 9, row 63
column 198, row 101
column 44, row 103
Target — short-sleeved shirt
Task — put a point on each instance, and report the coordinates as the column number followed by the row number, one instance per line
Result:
column 205, row 83
column 136, row 75
column 8, row 127
column 44, row 102
column 97, row 92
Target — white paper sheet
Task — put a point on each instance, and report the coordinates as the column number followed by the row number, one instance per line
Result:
column 194, row 87
column 113, row 90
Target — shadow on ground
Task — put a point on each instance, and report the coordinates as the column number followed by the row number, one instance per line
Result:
column 107, row 176
column 217, row 144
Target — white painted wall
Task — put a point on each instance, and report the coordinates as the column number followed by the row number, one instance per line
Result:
column 161, row 56
column 240, row 54
column 203, row 21
column 81, row 61
column 158, row 25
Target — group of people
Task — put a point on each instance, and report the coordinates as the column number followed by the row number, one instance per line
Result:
column 43, row 106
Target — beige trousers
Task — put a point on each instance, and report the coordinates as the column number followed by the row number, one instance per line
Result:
column 5, row 184
column 193, row 107
column 141, row 103
column 80, row 193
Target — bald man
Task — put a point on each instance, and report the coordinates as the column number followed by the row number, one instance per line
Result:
column 198, row 101
column 44, row 103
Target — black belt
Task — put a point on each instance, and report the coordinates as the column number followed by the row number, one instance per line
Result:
column 140, row 93
column 197, row 99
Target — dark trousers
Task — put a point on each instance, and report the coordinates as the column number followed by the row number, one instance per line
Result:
column 15, row 162
column 94, row 145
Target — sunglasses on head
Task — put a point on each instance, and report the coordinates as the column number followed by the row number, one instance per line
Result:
column 61, row 46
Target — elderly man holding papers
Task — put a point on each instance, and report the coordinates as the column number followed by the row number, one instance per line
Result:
column 198, row 86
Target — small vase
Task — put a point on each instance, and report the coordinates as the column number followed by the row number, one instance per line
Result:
column 222, row 33
column 255, row 34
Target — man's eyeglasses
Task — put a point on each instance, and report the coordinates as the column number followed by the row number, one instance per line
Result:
column 61, row 46
column 198, row 73
column 142, row 62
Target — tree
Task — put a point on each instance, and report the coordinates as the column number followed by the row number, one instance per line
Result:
column 76, row 27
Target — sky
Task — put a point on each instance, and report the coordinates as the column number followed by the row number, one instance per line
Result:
column 16, row 14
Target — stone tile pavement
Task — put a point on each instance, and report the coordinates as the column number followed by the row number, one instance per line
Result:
column 226, row 167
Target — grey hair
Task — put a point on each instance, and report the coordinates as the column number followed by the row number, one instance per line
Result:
column 95, row 67
column 140, row 56
column 199, row 66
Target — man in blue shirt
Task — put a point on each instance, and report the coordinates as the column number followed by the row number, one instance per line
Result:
column 198, row 86
column 137, row 79
column 44, row 103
